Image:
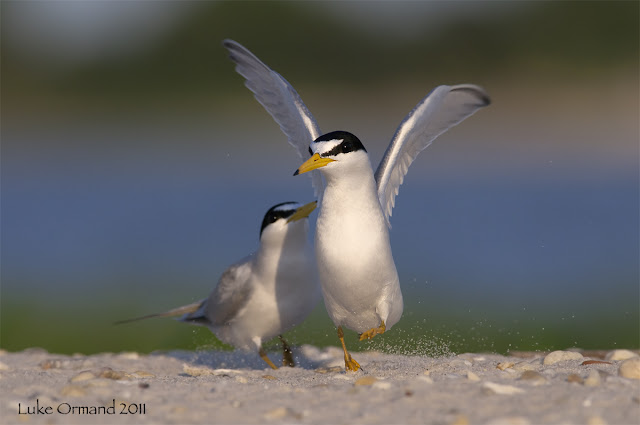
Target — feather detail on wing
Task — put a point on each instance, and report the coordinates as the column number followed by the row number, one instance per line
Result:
column 443, row 108
column 227, row 299
column 281, row 101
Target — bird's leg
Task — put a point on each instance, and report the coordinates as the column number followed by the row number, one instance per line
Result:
column 266, row 359
column 349, row 362
column 287, row 354
column 373, row 331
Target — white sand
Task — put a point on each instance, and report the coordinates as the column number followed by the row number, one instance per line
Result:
column 222, row 387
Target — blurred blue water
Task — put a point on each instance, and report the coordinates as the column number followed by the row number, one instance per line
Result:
column 78, row 223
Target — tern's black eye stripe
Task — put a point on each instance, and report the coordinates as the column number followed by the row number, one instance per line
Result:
column 275, row 213
column 350, row 143
column 310, row 151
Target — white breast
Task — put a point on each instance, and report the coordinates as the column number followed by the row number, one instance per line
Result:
column 355, row 264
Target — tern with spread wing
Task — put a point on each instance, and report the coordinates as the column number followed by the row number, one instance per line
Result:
column 265, row 294
column 355, row 264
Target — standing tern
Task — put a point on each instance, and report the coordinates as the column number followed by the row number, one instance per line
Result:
column 265, row 294
column 355, row 264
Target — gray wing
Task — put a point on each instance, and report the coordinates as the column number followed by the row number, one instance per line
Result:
column 443, row 108
column 281, row 101
column 227, row 299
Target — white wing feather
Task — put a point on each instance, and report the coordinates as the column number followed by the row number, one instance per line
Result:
column 281, row 101
column 440, row 110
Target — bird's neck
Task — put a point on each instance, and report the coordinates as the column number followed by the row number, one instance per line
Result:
column 353, row 189
column 274, row 252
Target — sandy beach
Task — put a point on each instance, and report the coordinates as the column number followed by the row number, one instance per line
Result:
column 568, row 387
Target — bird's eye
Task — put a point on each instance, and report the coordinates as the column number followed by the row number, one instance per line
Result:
column 273, row 219
column 346, row 146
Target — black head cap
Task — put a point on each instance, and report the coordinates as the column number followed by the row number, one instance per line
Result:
column 277, row 212
column 350, row 143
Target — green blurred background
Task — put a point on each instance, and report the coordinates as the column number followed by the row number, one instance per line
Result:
column 136, row 167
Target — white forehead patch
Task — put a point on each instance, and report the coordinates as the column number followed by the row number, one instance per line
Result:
column 325, row 146
column 287, row 207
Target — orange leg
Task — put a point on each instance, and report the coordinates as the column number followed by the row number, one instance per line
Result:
column 266, row 359
column 373, row 331
column 349, row 362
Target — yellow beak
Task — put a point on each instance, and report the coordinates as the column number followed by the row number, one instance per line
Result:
column 316, row 161
column 303, row 212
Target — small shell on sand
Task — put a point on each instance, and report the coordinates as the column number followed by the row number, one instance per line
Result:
column 366, row 380
column 561, row 356
column 630, row 368
column 533, row 377
column 593, row 380
column 502, row 389
column 617, row 355
column 505, row 365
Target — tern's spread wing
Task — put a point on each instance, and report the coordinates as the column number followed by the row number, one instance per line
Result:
column 227, row 299
column 281, row 101
column 443, row 108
